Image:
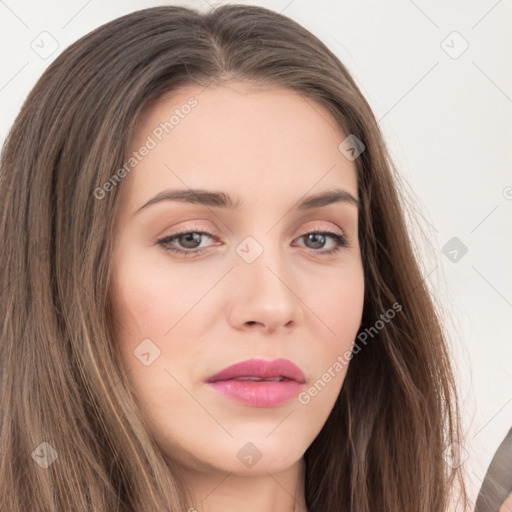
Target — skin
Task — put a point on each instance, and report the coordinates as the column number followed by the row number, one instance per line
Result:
column 270, row 147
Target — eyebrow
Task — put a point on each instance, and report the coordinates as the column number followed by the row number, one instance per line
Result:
column 222, row 200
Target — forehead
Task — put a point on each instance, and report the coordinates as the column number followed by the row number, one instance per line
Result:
column 251, row 141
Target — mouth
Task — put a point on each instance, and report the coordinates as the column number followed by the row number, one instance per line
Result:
column 260, row 369
column 259, row 383
column 260, row 379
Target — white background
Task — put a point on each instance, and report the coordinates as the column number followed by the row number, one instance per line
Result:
column 448, row 125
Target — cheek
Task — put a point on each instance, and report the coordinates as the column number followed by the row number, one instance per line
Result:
column 147, row 303
column 348, row 305
column 147, row 298
column 339, row 304
column 153, row 303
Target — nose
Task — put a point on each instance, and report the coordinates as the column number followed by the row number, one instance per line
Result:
column 265, row 294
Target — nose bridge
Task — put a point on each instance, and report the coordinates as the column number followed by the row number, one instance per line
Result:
column 263, row 260
column 263, row 282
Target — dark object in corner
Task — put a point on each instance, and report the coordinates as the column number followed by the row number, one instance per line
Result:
column 497, row 484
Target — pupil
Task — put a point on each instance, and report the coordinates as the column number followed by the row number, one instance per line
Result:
column 195, row 238
column 314, row 237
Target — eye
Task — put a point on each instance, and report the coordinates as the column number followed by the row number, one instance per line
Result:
column 190, row 241
column 318, row 237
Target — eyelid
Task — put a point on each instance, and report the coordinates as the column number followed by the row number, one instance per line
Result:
column 322, row 229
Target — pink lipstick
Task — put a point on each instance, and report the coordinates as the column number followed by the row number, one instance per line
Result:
column 259, row 383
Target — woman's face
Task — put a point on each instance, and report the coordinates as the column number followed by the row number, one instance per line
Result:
column 258, row 286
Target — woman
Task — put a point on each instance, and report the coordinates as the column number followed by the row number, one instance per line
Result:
column 182, row 181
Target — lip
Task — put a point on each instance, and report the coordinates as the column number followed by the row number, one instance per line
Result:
column 231, row 382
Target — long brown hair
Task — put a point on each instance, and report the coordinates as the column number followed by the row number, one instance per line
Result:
column 383, row 446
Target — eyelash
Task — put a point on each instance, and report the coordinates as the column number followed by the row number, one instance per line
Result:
column 340, row 240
